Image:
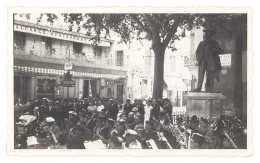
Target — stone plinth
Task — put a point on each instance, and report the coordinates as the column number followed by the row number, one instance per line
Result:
column 203, row 104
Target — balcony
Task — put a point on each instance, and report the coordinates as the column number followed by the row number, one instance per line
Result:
column 190, row 60
column 61, row 56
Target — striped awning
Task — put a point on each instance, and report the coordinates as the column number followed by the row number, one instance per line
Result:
column 56, row 70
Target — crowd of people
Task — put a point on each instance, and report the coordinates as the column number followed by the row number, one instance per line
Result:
column 149, row 124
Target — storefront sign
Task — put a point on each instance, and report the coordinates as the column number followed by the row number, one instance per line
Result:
column 68, row 83
column 68, row 66
column 58, row 34
column 225, row 60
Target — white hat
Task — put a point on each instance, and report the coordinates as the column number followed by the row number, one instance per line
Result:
column 131, row 132
column 135, row 109
column 50, row 119
column 72, row 112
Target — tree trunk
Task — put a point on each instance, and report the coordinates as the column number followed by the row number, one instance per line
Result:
column 159, row 51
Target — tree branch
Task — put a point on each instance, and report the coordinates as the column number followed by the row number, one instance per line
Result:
column 147, row 30
column 171, row 33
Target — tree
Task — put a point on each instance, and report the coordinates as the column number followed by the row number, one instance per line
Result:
column 160, row 29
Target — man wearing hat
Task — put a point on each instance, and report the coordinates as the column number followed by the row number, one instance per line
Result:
column 131, row 140
column 112, row 110
column 128, row 107
column 52, row 131
column 207, row 55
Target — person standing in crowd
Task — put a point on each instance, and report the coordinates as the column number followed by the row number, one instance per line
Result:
column 140, row 107
column 85, row 103
column 135, row 111
column 59, row 114
column 131, row 140
column 127, row 107
column 147, row 110
column 65, row 108
column 167, row 107
column 100, row 106
column 135, row 103
column 155, row 111
column 92, row 108
column 112, row 110
column 76, row 105
column 138, row 123
column 131, row 121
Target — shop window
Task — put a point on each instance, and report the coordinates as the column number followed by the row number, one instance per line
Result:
column 77, row 47
column 46, row 88
column 19, row 38
column 98, row 52
column 120, row 58
column 21, row 88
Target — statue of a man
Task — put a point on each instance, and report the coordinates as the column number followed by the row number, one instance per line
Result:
column 207, row 55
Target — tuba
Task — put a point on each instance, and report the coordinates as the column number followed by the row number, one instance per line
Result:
column 181, row 137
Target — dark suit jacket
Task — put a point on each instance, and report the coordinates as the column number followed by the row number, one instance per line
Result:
column 112, row 111
column 207, row 54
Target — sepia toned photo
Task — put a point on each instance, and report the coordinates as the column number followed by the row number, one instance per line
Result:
column 139, row 81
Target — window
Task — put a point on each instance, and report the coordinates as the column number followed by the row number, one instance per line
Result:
column 19, row 38
column 77, row 47
column 119, row 58
column 48, row 42
column 98, row 52
column 192, row 49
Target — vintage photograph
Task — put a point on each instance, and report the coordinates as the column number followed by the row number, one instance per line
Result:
column 139, row 81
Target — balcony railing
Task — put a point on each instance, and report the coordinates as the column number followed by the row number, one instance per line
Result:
column 60, row 57
column 61, row 54
column 190, row 60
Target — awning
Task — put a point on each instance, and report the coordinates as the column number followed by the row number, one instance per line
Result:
column 175, row 84
column 40, row 68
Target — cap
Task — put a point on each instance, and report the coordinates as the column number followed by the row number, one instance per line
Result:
column 111, row 121
column 72, row 112
column 131, row 132
column 50, row 119
column 135, row 109
column 131, row 113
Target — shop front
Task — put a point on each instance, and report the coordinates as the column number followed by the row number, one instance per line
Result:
column 37, row 80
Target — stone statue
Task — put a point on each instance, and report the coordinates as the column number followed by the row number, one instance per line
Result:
column 207, row 55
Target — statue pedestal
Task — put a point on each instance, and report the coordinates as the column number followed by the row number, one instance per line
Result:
column 203, row 104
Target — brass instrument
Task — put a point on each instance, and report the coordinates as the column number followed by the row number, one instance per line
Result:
column 181, row 137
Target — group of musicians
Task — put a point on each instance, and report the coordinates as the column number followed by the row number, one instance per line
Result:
column 70, row 123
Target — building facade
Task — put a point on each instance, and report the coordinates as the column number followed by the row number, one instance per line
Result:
column 41, row 54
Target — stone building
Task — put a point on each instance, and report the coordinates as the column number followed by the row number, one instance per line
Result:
column 40, row 53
